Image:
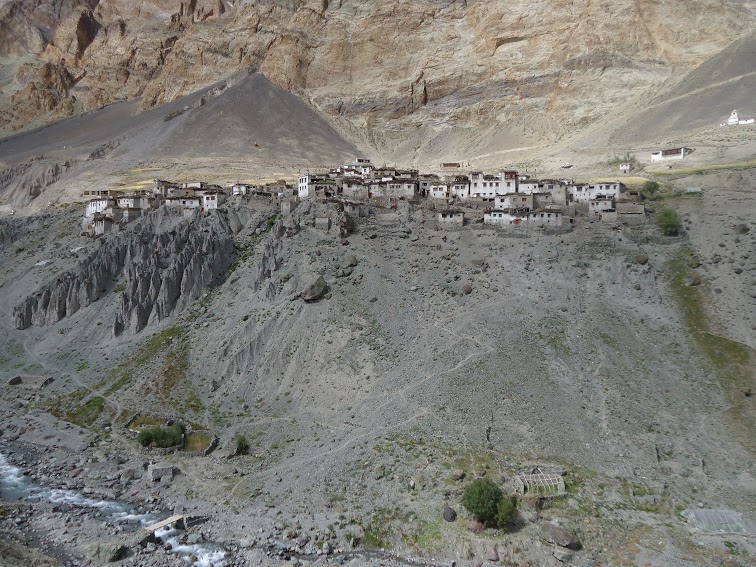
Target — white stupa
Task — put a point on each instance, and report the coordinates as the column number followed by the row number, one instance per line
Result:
column 734, row 120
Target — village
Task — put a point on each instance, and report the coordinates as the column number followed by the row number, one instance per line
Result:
column 506, row 199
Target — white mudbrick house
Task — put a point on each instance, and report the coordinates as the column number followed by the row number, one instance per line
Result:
column 528, row 187
column 509, row 181
column 355, row 188
column 98, row 205
column 631, row 213
column 440, row 191
column 584, row 193
column 184, row 202
column 398, row 188
column 460, row 188
column 486, row 189
column 213, row 200
column 239, row 190
column 505, row 218
column 101, row 224
column 600, row 205
column 450, row 218
column 545, row 217
column 133, row 202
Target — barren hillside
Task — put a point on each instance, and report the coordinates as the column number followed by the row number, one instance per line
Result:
column 623, row 358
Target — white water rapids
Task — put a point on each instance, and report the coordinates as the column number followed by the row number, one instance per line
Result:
column 14, row 486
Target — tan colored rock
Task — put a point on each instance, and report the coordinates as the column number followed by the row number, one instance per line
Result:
column 541, row 68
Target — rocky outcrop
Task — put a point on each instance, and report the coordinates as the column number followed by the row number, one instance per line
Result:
column 163, row 262
column 270, row 260
column 23, row 182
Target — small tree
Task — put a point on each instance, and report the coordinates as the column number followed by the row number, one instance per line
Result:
column 669, row 222
column 242, row 445
column 505, row 512
column 650, row 187
column 481, row 498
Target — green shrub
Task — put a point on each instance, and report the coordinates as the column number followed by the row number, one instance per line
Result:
column 162, row 436
column 669, row 222
column 242, row 445
column 650, row 187
column 505, row 512
column 481, row 498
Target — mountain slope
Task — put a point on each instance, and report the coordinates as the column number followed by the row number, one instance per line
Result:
column 704, row 97
column 393, row 65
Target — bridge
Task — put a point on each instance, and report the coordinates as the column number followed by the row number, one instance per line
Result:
column 167, row 522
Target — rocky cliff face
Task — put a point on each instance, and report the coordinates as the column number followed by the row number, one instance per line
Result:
column 396, row 64
column 158, row 266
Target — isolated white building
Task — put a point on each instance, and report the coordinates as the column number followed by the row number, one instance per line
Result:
column 672, row 153
column 734, row 120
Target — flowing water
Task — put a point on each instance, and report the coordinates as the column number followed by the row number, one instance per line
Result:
column 14, row 486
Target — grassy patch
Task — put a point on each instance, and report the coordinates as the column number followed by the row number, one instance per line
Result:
column 162, row 436
column 703, row 169
column 85, row 415
column 142, row 421
column 196, row 442
column 732, row 361
column 427, row 535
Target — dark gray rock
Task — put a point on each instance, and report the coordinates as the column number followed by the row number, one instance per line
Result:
column 449, row 514
column 315, row 290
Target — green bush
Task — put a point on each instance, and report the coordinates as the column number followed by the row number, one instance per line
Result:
column 669, row 222
column 162, row 436
column 505, row 512
column 650, row 187
column 481, row 498
column 242, row 445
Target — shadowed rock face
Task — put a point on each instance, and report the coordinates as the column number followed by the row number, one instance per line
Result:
column 163, row 262
column 393, row 63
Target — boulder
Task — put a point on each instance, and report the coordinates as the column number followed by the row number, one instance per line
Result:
column 560, row 536
column 692, row 280
column 349, row 261
column 467, row 289
column 158, row 472
column 449, row 514
column 107, row 551
column 315, row 290
column 475, row 526
column 458, row 474
column 742, row 228
column 641, row 259
column 492, row 554
column 562, row 554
